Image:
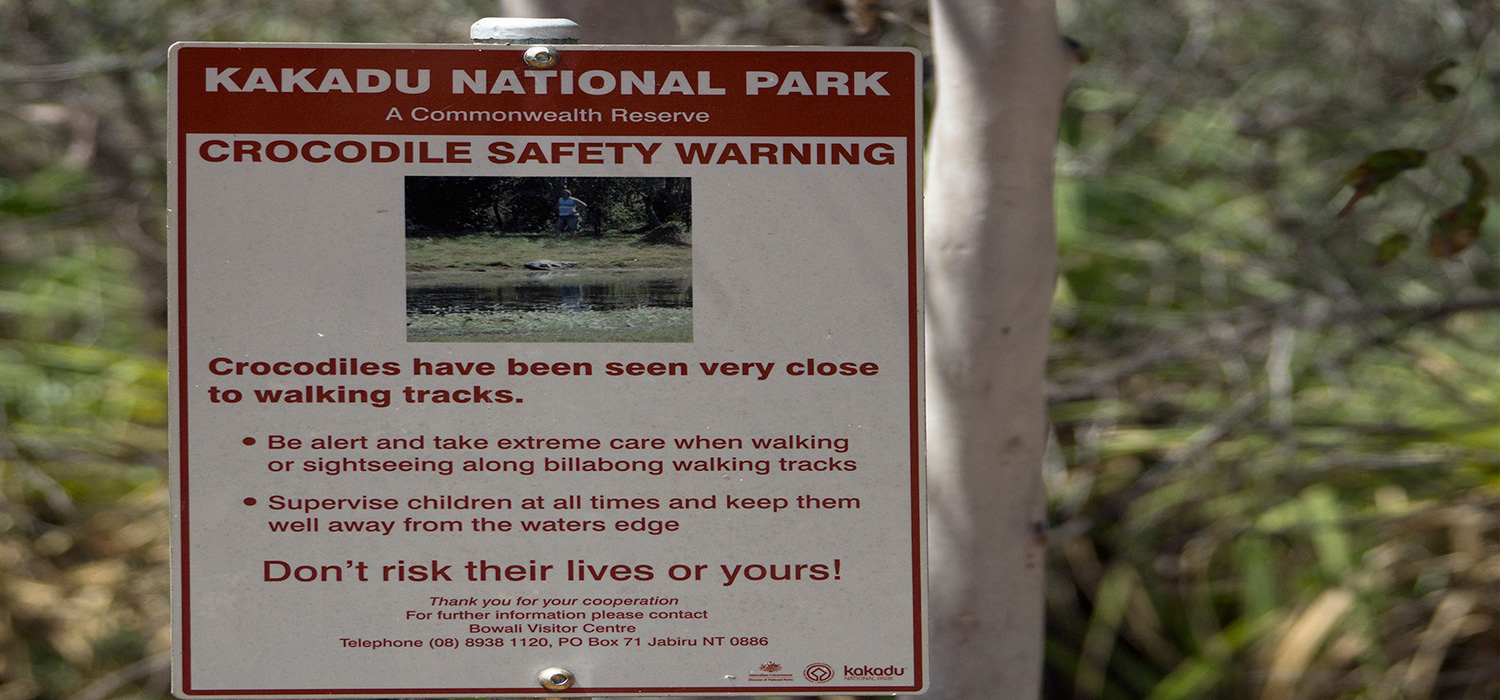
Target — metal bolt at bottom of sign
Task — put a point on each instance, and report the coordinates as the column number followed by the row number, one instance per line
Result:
column 541, row 57
column 556, row 678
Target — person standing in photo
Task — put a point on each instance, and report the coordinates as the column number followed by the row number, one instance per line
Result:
column 568, row 209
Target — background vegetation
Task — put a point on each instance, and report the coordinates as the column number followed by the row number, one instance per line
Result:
column 1277, row 463
column 455, row 206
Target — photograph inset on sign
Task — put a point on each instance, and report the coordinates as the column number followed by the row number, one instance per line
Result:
column 549, row 259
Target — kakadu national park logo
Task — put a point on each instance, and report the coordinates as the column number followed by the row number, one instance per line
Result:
column 818, row 673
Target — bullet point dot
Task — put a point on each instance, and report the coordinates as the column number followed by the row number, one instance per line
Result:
column 248, row 441
column 249, row 501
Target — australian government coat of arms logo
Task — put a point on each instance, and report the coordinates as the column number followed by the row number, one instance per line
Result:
column 770, row 672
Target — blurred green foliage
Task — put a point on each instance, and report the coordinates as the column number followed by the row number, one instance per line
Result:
column 82, row 450
column 1277, row 471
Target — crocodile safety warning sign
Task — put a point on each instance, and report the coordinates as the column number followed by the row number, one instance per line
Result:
column 592, row 379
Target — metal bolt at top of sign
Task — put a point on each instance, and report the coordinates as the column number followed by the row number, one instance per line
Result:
column 521, row 30
column 538, row 33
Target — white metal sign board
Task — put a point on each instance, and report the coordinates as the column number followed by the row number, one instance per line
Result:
column 609, row 367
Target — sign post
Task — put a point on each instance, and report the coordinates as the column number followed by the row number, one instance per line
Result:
column 499, row 377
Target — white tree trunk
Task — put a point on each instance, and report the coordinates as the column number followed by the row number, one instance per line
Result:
column 991, row 259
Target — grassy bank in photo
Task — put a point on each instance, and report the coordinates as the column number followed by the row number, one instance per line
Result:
column 488, row 252
column 490, row 263
column 643, row 325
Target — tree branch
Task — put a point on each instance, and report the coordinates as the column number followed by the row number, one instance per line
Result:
column 1155, row 351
